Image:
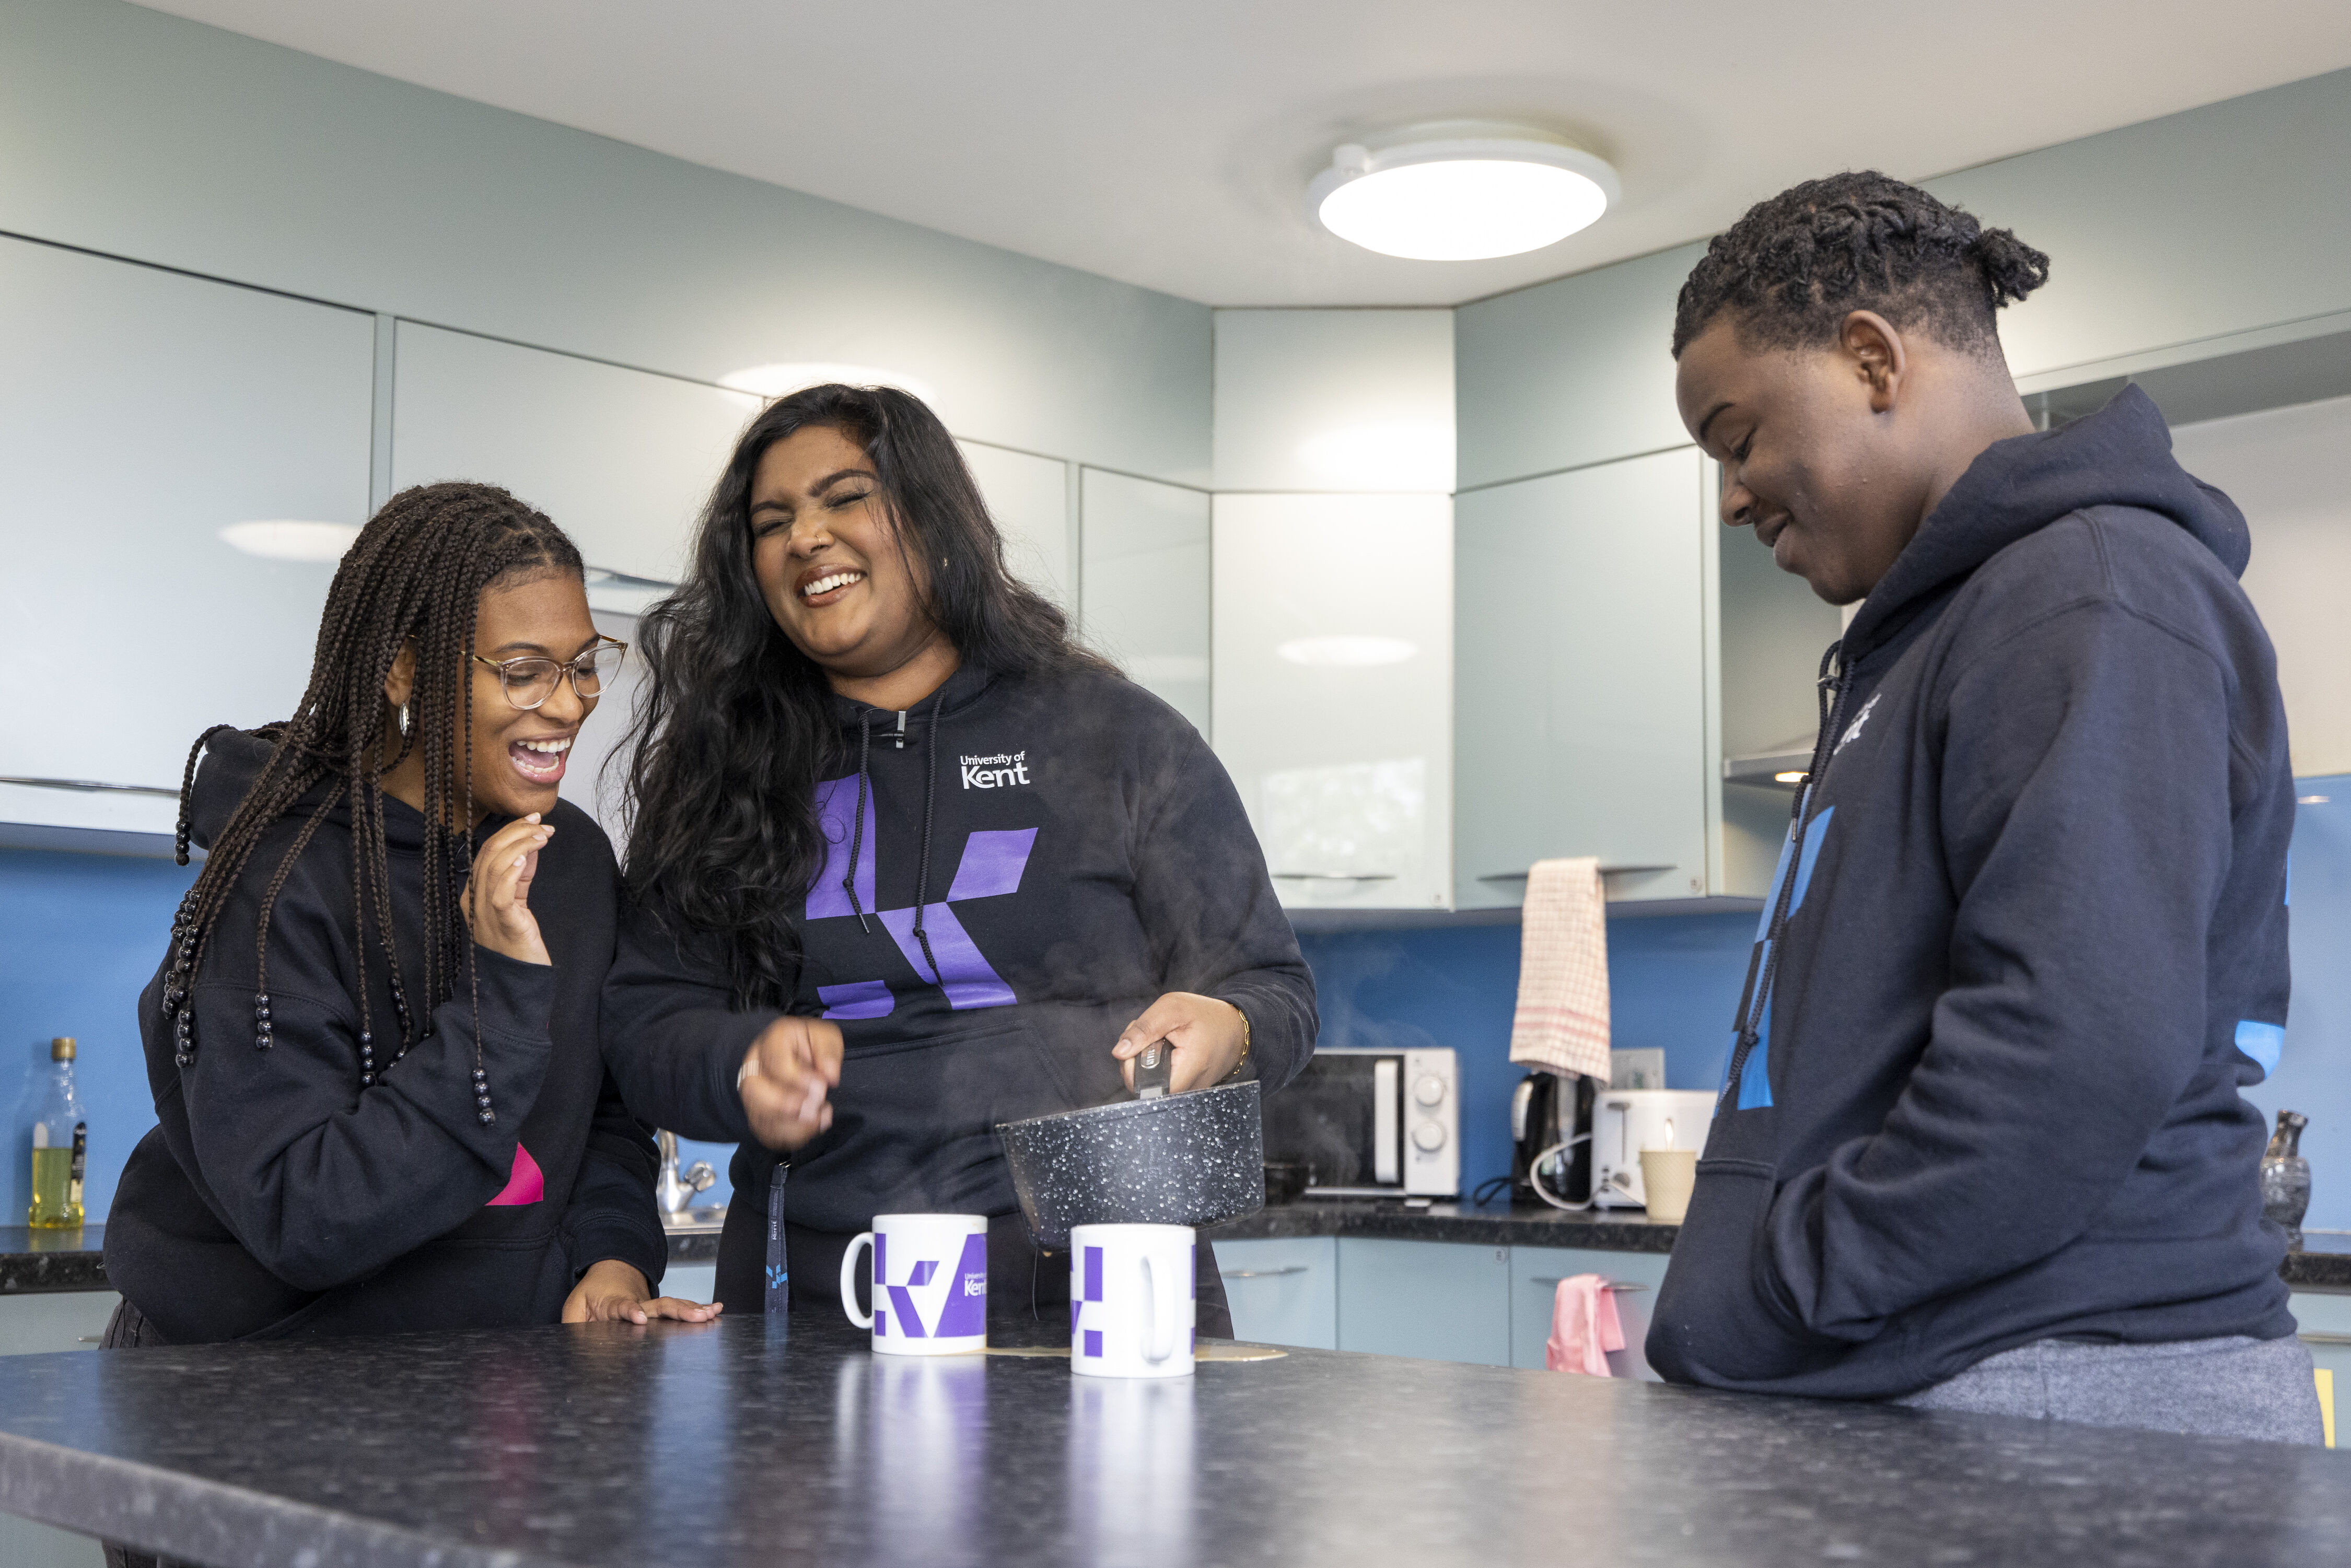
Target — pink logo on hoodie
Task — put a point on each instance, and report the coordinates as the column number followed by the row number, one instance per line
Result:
column 527, row 1185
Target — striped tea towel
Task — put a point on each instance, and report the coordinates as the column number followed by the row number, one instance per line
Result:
column 1562, row 1017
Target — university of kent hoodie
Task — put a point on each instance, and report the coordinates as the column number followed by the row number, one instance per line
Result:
column 1029, row 862
column 277, row 1199
column 2037, row 945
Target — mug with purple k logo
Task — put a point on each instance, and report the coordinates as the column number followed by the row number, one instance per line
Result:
column 1131, row 1306
column 930, row 1284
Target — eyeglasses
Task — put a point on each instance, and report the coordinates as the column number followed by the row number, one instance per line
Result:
column 531, row 680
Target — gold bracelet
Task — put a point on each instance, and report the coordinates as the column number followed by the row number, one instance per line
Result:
column 1245, row 1041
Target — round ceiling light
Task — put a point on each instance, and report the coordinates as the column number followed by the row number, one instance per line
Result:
column 1461, row 191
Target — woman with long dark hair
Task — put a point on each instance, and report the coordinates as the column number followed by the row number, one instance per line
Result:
column 373, row 1040
column 905, row 862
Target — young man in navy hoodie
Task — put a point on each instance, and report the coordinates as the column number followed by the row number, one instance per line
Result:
column 1980, row 1144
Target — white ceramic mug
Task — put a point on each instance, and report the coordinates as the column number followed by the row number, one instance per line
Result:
column 930, row 1284
column 1131, row 1306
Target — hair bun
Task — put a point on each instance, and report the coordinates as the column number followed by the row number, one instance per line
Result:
column 2011, row 269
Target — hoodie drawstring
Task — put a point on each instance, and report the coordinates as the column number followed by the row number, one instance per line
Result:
column 857, row 834
column 1758, row 993
column 930, row 795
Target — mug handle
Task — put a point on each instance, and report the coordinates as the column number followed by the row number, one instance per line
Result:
column 1159, row 1313
column 849, row 1279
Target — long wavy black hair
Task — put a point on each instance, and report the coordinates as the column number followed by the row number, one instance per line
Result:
column 734, row 726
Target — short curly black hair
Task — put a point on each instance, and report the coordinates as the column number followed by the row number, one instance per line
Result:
column 1790, row 271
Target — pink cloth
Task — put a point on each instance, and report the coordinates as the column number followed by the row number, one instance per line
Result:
column 1583, row 1326
column 1561, row 1021
column 526, row 1184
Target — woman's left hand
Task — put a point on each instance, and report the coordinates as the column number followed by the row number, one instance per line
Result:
column 612, row 1291
column 1207, row 1035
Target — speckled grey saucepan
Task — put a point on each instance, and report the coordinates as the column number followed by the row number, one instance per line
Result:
column 1184, row 1159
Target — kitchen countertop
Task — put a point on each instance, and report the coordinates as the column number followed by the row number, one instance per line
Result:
column 603, row 1446
column 33, row 1260
column 1537, row 1224
column 38, row 1262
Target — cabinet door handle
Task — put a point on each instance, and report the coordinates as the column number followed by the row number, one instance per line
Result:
column 1604, row 870
column 1265, row 1273
column 1553, row 1283
column 1321, row 875
column 90, row 785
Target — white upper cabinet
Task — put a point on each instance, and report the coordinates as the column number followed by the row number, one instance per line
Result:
column 2282, row 466
column 622, row 460
column 143, row 414
column 1334, row 400
column 1334, row 659
column 1581, row 689
column 1146, row 575
column 1028, row 496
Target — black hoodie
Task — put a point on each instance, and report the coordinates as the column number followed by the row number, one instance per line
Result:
column 1037, row 859
column 278, row 1199
column 2037, row 945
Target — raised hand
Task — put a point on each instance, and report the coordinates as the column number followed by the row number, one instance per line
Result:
column 784, row 1078
column 497, row 906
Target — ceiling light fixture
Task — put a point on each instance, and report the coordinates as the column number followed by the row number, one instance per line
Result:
column 1462, row 190
column 285, row 538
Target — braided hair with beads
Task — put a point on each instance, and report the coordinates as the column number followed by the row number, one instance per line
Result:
column 413, row 577
column 1789, row 272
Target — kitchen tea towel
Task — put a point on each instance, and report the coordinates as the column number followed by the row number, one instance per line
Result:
column 1562, row 1017
column 1583, row 1326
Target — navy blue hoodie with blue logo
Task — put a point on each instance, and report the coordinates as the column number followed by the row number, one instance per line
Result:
column 1075, row 851
column 2035, row 946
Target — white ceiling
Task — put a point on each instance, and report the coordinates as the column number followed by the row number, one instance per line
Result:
column 1168, row 142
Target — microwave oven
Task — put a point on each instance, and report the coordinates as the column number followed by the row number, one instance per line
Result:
column 1371, row 1124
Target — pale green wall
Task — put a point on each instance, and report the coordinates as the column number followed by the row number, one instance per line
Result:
column 144, row 136
column 2219, row 228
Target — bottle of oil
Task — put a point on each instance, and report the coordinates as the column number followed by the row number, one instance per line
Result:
column 60, row 1146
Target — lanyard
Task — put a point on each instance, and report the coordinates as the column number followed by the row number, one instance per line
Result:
column 780, row 1273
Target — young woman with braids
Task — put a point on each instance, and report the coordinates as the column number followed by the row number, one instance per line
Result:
column 905, row 863
column 1980, row 1144
column 372, row 1042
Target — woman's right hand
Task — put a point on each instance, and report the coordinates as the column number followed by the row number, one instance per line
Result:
column 783, row 1081
column 498, row 906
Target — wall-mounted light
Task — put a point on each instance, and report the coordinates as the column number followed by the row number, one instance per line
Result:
column 1462, row 190
column 775, row 380
column 1795, row 778
column 286, row 538
column 1346, row 653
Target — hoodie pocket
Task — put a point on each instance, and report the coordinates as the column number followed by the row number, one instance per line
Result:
column 1719, row 1320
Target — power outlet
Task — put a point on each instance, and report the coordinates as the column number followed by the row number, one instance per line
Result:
column 1637, row 1069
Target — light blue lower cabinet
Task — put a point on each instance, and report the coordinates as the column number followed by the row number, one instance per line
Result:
column 1440, row 1300
column 1535, row 1274
column 1283, row 1290
column 31, row 1325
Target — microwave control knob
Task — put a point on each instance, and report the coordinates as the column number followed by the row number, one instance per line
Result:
column 1428, row 1137
column 1428, row 1089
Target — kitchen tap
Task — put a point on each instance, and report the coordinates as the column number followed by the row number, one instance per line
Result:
column 671, row 1192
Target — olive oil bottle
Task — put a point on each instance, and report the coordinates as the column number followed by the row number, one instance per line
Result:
column 60, row 1146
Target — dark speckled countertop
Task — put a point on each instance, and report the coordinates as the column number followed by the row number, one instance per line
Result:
column 1534, row 1224
column 35, row 1261
column 68, row 1261
column 731, row 1446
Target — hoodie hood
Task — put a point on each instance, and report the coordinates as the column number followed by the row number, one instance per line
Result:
column 2119, row 456
column 233, row 759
